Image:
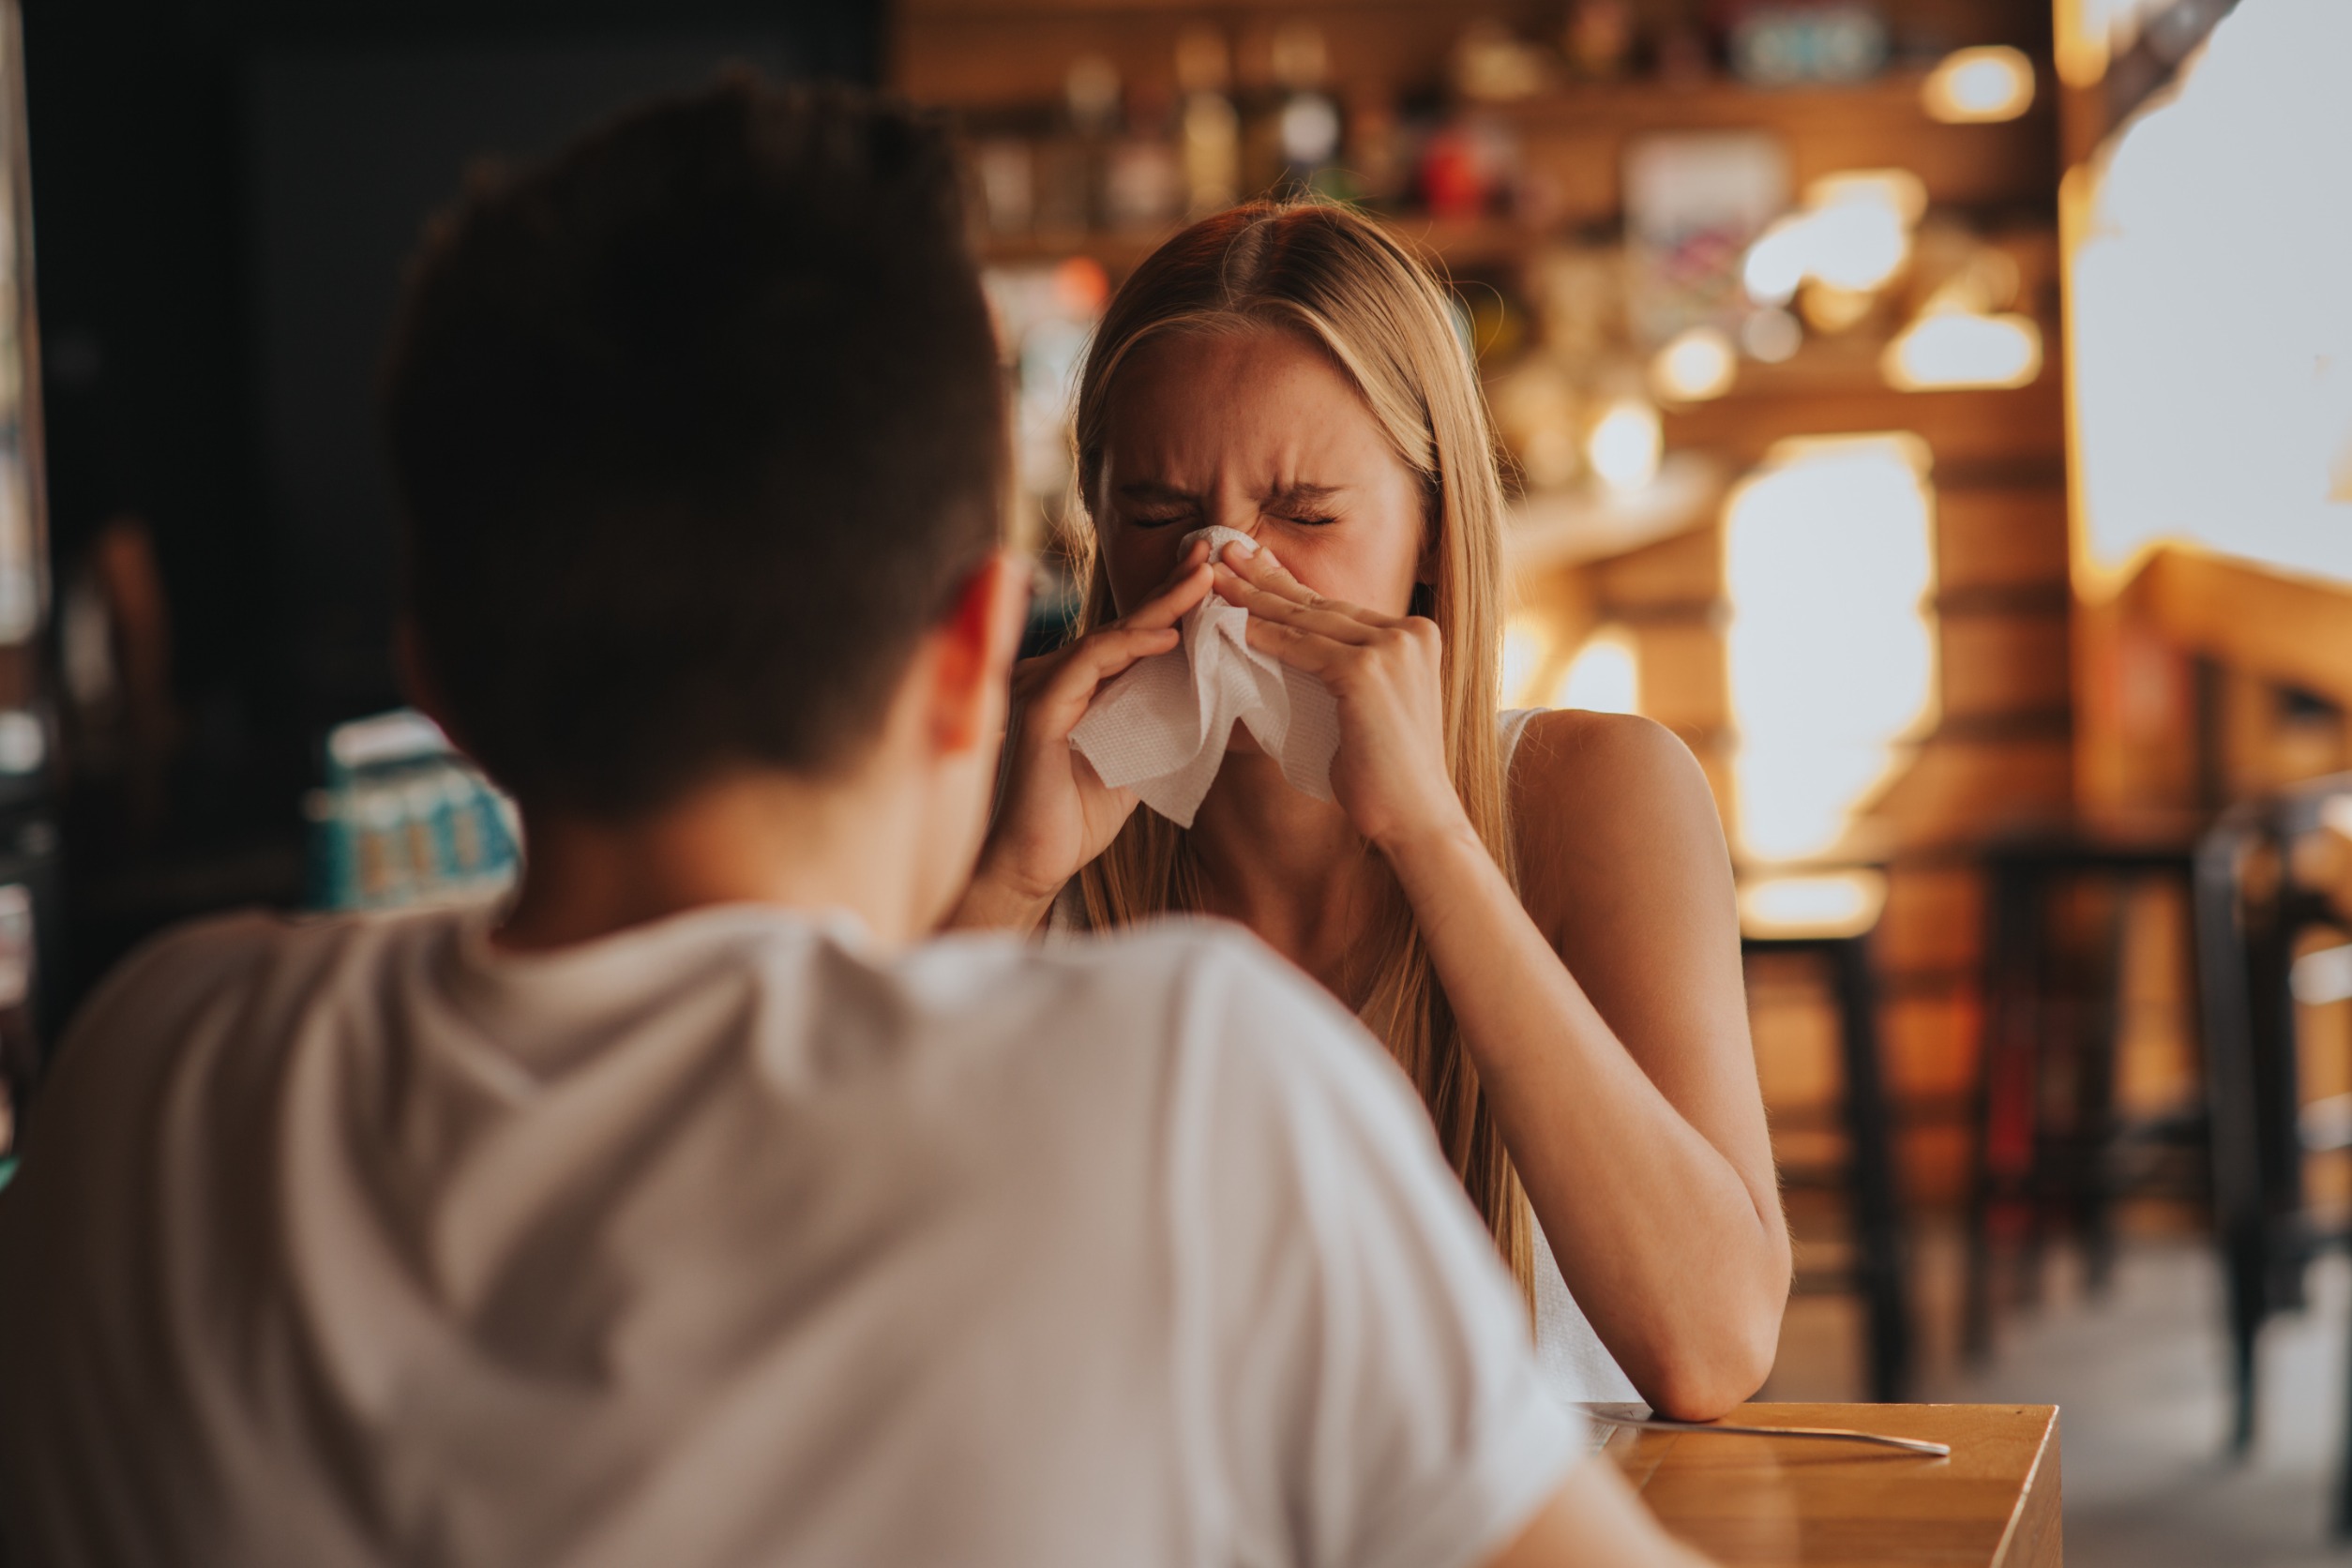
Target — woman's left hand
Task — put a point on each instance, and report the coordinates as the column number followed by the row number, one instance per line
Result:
column 1390, row 774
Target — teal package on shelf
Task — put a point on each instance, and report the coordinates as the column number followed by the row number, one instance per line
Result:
column 404, row 821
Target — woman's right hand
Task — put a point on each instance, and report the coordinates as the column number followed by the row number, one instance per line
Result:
column 1056, row 813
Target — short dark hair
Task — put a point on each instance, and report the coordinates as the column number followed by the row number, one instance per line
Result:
column 696, row 428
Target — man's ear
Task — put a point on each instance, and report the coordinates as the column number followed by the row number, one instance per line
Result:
column 974, row 650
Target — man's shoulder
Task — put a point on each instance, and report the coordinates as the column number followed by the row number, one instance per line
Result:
column 206, row 954
column 1172, row 945
column 1209, row 993
column 162, row 985
column 1181, row 984
column 1180, row 959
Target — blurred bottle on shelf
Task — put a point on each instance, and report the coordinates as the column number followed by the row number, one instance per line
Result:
column 1377, row 154
column 1599, row 40
column 1781, row 44
column 1493, row 64
column 1208, row 126
column 1144, row 174
column 1006, row 169
column 1070, row 165
column 1308, row 123
column 1465, row 165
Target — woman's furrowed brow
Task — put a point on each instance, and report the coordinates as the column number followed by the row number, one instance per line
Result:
column 1301, row 494
column 1152, row 490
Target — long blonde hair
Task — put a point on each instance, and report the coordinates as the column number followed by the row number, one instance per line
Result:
column 1335, row 278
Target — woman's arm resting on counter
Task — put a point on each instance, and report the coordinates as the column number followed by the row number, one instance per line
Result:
column 1607, row 1019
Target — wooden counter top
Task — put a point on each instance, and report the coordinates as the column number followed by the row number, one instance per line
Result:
column 1790, row 1501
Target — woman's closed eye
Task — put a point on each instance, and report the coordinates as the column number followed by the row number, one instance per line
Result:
column 1301, row 505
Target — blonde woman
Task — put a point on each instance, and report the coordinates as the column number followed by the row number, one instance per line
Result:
column 1534, row 912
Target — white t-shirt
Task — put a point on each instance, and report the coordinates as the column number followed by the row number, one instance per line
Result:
column 727, row 1240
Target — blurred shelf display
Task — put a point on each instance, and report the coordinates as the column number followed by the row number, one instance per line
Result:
column 1571, row 527
column 1460, row 243
column 1558, row 165
column 30, row 917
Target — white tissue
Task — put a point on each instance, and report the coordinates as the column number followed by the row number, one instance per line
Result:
column 1161, row 728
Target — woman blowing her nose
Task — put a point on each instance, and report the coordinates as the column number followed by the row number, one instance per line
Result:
column 1534, row 912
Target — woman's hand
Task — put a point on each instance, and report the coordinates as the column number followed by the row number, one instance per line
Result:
column 1055, row 813
column 1390, row 774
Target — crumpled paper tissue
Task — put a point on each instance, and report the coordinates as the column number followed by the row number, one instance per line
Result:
column 1161, row 727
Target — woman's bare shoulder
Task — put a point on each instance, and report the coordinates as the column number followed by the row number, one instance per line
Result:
column 1597, row 798
column 1569, row 758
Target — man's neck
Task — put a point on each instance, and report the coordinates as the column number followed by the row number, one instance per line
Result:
column 758, row 838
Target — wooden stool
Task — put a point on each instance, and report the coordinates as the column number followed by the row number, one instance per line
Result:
column 1840, row 938
column 2251, row 909
column 2024, row 1158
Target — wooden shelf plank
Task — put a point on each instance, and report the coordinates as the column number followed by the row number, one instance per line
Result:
column 2292, row 630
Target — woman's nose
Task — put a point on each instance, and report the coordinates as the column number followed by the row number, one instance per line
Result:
column 1237, row 513
column 1246, row 526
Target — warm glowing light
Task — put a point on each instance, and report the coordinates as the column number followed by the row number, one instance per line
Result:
column 1828, row 559
column 1854, row 235
column 2080, row 48
column 1699, row 364
column 1856, row 244
column 1829, row 310
column 1605, row 677
column 1625, row 444
column 1975, row 86
column 1845, row 904
column 1960, row 348
column 2323, row 976
column 2211, row 321
column 1526, row 649
column 1775, row 264
column 2090, row 32
column 1897, row 190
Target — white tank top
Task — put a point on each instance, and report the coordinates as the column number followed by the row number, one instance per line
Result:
column 1574, row 1364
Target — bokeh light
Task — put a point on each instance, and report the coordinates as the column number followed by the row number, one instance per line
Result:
column 1975, row 86
column 1842, row 903
column 1625, row 444
column 1853, row 234
column 1829, row 557
column 1699, row 364
column 1604, row 677
column 1950, row 348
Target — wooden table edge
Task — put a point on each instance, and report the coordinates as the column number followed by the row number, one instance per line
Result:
column 2031, row 1532
column 2034, row 1537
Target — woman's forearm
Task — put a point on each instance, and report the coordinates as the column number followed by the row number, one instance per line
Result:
column 1680, row 1261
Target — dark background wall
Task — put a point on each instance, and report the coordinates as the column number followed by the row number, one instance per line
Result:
column 224, row 193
